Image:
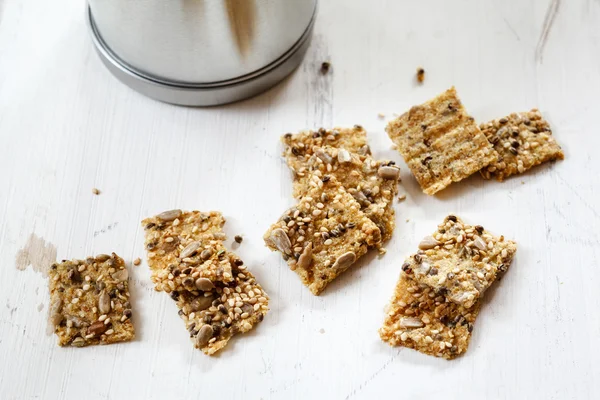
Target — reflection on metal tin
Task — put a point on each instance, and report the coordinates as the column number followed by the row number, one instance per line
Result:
column 201, row 52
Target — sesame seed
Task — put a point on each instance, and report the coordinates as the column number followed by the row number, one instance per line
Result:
column 109, row 332
column 328, row 242
column 75, row 300
column 102, row 317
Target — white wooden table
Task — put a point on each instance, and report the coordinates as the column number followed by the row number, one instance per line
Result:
column 67, row 126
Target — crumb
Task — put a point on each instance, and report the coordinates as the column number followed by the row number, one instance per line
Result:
column 420, row 74
column 238, row 238
column 96, row 191
column 407, row 220
column 381, row 115
column 522, row 182
column 381, row 251
column 325, row 67
column 321, row 330
column 394, row 147
column 40, row 307
column 401, row 197
column 137, row 261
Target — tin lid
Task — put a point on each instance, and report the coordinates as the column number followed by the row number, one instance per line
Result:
column 205, row 94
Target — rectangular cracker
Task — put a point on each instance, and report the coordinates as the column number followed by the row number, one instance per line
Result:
column 89, row 301
column 460, row 261
column 323, row 235
column 185, row 249
column 300, row 147
column 419, row 319
column 213, row 317
column 522, row 141
column 440, row 142
column 374, row 184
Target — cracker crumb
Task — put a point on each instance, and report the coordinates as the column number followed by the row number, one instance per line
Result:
column 238, row 238
column 381, row 115
column 407, row 220
column 96, row 191
column 402, row 197
column 394, row 147
column 137, row 261
column 325, row 67
column 420, row 74
column 321, row 330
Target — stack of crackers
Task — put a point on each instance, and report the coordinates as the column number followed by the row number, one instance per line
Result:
column 344, row 204
column 442, row 144
column 440, row 290
column 216, row 294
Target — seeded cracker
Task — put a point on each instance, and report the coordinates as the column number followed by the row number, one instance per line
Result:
column 185, row 250
column 89, row 301
column 373, row 184
column 419, row 319
column 323, row 235
column 460, row 261
column 522, row 141
column 301, row 146
column 440, row 142
column 214, row 316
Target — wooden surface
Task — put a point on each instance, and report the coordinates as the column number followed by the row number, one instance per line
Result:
column 67, row 126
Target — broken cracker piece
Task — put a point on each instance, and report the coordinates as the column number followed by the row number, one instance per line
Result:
column 300, row 147
column 89, row 301
column 373, row 184
column 440, row 142
column 323, row 235
column 214, row 316
column 522, row 141
column 186, row 251
column 419, row 319
column 460, row 261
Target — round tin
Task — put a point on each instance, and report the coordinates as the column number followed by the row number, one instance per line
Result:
column 189, row 93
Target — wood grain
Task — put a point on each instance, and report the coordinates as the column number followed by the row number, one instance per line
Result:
column 67, row 126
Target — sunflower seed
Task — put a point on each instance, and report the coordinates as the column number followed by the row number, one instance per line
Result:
column 305, row 259
column 104, row 303
column 121, row 275
column 204, row 335
column 204, row 284
column 344, row 261
column 326, row 158
column 169, row 215
column 189, row 250
column 55, row 308
column 281, row 240
column 343, row 156
column 387, row 172
column 411, row 322
column 97, row 328
column 206, row 254
column 201, row 303
column 479, row 243
column 428, row 242
column 102, row 257
column 78, row 342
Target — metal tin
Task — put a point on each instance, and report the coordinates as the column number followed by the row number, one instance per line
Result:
column 201, row 52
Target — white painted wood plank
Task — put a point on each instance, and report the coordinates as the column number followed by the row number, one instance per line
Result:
column 67, row 126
